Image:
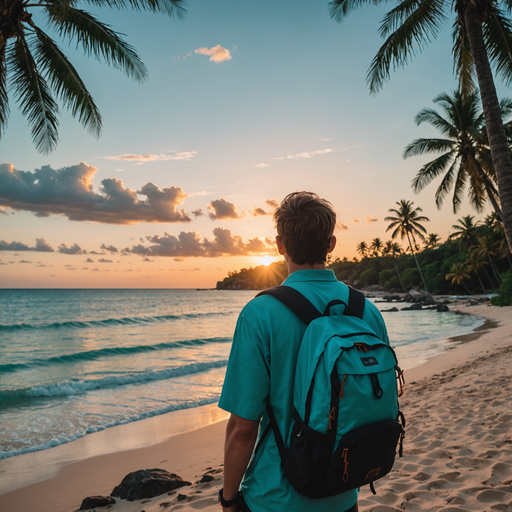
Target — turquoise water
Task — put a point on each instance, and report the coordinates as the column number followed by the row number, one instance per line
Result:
column 74, row 362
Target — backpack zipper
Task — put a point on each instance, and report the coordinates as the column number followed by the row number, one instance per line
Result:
column 341, row 386
column 344, row 455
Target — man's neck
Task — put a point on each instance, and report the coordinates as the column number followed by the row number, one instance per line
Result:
column 293, row 267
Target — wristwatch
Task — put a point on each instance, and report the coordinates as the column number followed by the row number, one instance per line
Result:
column 229, row 503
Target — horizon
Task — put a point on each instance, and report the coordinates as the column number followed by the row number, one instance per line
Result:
column 241, row 107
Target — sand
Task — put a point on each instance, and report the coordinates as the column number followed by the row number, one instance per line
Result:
column 457, row 452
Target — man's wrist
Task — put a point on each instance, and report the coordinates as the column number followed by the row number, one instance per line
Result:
column 231, row 502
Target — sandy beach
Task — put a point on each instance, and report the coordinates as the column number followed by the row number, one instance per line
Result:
column 457, row 453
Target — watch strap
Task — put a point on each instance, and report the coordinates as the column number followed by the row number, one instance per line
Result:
column 229, row 503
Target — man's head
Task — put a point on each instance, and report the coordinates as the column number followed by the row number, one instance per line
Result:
column 305, row 223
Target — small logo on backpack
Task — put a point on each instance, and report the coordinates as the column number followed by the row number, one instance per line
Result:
column 373, row 473
column 369, row 361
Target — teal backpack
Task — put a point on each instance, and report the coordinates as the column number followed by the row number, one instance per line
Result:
column 346, row 427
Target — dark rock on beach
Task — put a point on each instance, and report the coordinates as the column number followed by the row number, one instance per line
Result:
column 413, row 307
column 147, row 483
column 392, row 310
column 96, row 501
column 442, row 308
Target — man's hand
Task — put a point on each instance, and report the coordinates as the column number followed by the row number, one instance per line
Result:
column 241, row 436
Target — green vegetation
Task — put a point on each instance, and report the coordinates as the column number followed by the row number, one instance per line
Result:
column 472, row 260
column 504, row 297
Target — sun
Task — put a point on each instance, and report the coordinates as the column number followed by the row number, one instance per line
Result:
column 266, row 260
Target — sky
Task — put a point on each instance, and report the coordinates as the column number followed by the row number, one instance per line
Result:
column 244, row 104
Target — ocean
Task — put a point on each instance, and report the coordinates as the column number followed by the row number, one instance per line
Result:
column 73, row 362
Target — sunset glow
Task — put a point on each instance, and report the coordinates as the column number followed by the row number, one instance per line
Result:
column 181, row 186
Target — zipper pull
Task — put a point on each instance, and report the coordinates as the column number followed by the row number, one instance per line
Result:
column 331, row 416
column 401, row 380
column 341, row 386
column 344, row 455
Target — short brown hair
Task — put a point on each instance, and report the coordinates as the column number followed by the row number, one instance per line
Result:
column 305, row 222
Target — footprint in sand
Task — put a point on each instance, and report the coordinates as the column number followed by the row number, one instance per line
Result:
column 492, row 496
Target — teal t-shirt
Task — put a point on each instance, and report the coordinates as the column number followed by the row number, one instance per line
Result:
column 261, row 367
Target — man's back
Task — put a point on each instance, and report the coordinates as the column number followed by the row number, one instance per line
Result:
column 262, row 367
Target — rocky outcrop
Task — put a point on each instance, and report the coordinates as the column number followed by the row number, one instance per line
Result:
column 147, row 483
column 96, row 501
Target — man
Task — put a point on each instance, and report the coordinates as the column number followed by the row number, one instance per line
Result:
column 262, row 364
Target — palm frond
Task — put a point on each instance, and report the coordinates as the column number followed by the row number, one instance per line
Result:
column 65, row 81
column 430, row 116
column 446, row 185
column 96, row 39
column 338, row 9
column 458, row 189
column 463, row 64
column 33, row 95
column 173, row 8
column 426, row 146
column 431, row 171
column 419, row 26
column 497, row 31
column 4, row 100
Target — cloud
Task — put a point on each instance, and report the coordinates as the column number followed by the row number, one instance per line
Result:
column 260, row 211
column 272, row 203
column 216, row 53
column 41, row 246
column 103, row 260
column 262, row 165
column 341, row 226
column 24, row 261
column 69, row 191
column 190, row 244
column 307, row 154
column 371, row 219
column 198, row 213
column 223, row 210
column 74, row 249
column 357, row 220
column 142, row 159
column 109, row 248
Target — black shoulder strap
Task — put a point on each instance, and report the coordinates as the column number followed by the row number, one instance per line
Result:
column 356, row 303
column 290, row 297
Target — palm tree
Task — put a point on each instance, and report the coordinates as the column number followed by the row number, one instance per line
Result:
column 376, row 246
column 432, row 241
column 394, row 250
column 488, row 247
column 465, row 231
column 458, row 274
column 362, row 249
column 475, row 262
column 406, row 222
column 481, row 32
column 40, row 71
column 465, row 151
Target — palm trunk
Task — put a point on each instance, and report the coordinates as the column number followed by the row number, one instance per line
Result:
column 490, row 280
column 399, row 276
column 467, row 289
column 495, row 270
column 480, row 281
column 417, row 264
column 500, row 150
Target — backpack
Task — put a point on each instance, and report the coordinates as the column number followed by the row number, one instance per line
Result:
column 345, row 427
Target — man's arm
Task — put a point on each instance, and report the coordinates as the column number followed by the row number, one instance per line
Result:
column 241, row 436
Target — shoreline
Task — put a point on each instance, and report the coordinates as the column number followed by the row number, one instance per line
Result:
column 191, row 453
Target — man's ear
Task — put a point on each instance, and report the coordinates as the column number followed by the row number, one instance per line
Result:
column 333, row 244
column 280, row 246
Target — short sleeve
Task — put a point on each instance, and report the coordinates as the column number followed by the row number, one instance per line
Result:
column 247, row 383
